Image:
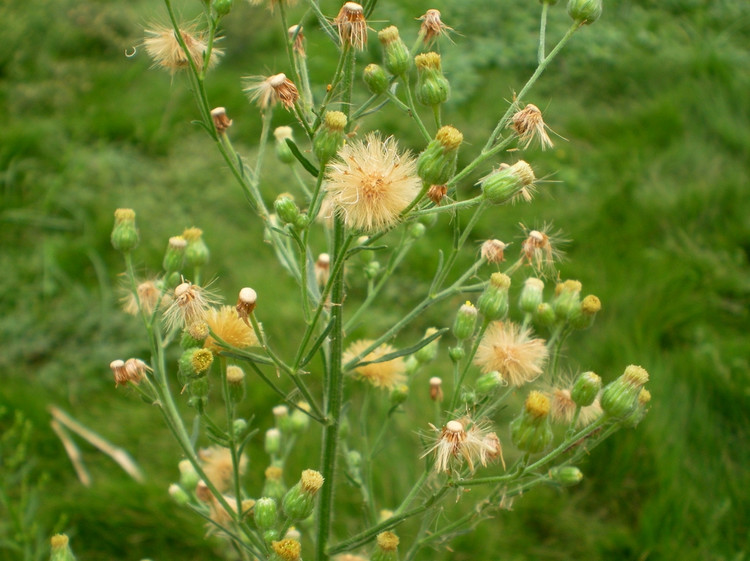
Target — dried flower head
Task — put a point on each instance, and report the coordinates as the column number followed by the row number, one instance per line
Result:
column 386, row 374
column 148, row 297
column 322, row 269
column 590, row 413
column 436, row 389
column 246, row 301
column 189, row 306
column 267, row 91
column 529, row 126
column 298, row 39
column 540, row 250
column 464, row 439
column 493, row 251
column 371, row 183
column 225, row 322
column 511, row 351
column 432, row 27
column 132, row 370
column 562, row 407
column 216, row 462
column 352, row 26
column 163, row 47
column 221, row 122
column 436, row 193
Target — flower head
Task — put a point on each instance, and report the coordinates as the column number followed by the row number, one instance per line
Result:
column 298, row 38
column 217, row 464
column 511, row 351
column 189, row 306
column 371, row 183
column 529, row 126
column 386, row 374
column 267, row 91
column 163, row 47
column 540, row 249
column 464, row 439
column 352, row 26
column 225, row 322
column 148, row 297
column 432, row 27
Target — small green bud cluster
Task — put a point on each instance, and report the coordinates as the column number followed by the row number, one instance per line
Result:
column 288, row 211
column 531, row 431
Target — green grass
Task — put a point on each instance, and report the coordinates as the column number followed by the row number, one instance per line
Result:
column 650, row 186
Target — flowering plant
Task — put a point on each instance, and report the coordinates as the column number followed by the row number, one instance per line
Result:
column 372, row 199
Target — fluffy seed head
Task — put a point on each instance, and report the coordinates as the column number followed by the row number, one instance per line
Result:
column 225, row 322
column 216, row 462
column 512, row 352
column 371, row 183
column 165, row 50
column 296, row 35
column 386, row 375
column 266, row 91
column 189, row 306
column 148, row 297
column 464, row 440
column 529, row 126
column 541, row 251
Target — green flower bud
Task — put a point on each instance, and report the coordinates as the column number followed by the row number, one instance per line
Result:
column 375, row 79
column 566, row 475
column 195, row 362
column 281, row 416
column 272, row 443
column 586, row 314
column 235, row 383
column 222, row 7
column 364, row 255
column 508, row 183
column 372, row 269
column 585, row 389
column 456, row 353
column 395, row 52
column 187, row 340
column 266, row 514
column 416, row 230
column 429, row 351
column 239, row 426
column 285, row 550
column 428, row 220
column 286, row 208
column 544, row 315
column 175, row 254
column 178, row 494
column 298, row 421
column 198, row 391
column 632, row 420
column 398, row 394
column 620, row 398
column 124, row 234
column 60, row 549
column 567, row 301
column 270, row 535
column 466, row 320
column 531, row 431
column 493, row 302
column 432, row 87
column 330, row 136
column 488, row 383
column 188, row 476
column 299, row 500
column 386, row 548
column 274, row 485
column 353, row 461
column 411, row 365
column 437, row 163
column 532, row 295
column 283, row 152
column 585, row 11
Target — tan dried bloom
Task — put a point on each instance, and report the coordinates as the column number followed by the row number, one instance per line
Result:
column 298, row 38
column 148, row 296
column 432, row 27
column 370, row 183
column 163, row 47
column 436, row 193
column 562, row 408
column 541, row 250
column 493, row 251
column 225, row 322
column 590, row 413
column 322, row 269
column 189, row 306
column 529, row 126
column 221, row 122
column 386, row 374
column 267, row 91
column 217, row 465
column 436, row 389
column 246, row 301
column 132, row 370
column 352, row 26
column 466, row 440
column 512, row 352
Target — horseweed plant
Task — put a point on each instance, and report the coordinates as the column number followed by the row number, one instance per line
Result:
column 372, row 200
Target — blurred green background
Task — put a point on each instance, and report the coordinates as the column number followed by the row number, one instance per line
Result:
column 651, row 185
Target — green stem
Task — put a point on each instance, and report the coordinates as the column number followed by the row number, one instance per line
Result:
column 542, row 33
column 413, row 109
column 469, row 358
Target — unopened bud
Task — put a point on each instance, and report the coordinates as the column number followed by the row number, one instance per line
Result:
column 585, row 389
column 222, row 7
column 299, row 500
column 124, row 234
column 620, row 398
column 456, row 354
column 544, row 315
column 175, row 254
column 274, row 485
column 196, row 252
column 429, row 351
column 590, row 306
column 299, row 421
column 437, row 163
column 283, row 152
column 466, row 321
column 273, row 442
column 567, row 301
column 330, row 136
column 236, row 383
column 488, row 383
column 566, row 475
column 508, row 183
column 585, row 11
column 531, row 431
column 266, row 513
column 432, row 87
column 178, row 494
column 60, row 548
column 493, row 302
column 398, row 394
column 395, row 52
column 532, row 295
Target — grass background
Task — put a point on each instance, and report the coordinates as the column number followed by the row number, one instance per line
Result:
column 651, row 186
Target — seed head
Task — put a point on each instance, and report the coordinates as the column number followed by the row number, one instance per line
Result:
column 386, row 375
column 221, row 121
column 296, row 35
column 225, row 322
column 436, row 389
column 163, row 47
column 541, row 251
column 216, row 462
column 511, row 351
column 148, row 297
column 189, row 306
column 463, row 440
column 529, row 126
column 352, row 26
column 266, row 91
column 493, row 251
column 432, row 27
column 246, row 303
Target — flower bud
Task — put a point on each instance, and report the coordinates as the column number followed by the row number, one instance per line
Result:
column 493, row 302
column 330, row 136
column 432, row 87
column 620, row 398
column 222, row 7
column 584, row 319
column 239, row 426
column 175, row 254
column 283, row 152
column 488, row 383
column 178, row 494
column 507, row 183
column 298, row 421
column 60, row 548
column 395, row 52
column 386, row 548
column 285, row 550
column 353, row 461
column 567, row 301
column 437, row 163
column 456, row 353
column 198, row 389
column 124, row 234
column 544, row 315
column 272, row 443
column 531, row 431
column 372, row 269
column 195, row 362
column 585, row 11
column 566, row 475
column 532, row 295
column 375, row 79
column 416, row 230
column 286, row 208
column 632, row 420
column 266, row 514
column 466, row 320
column 299, row 500
column 274, row 485
column 398, row 394
column 585, row 389
column 436, row 389
column 282, row 419
column 429, row 351
column 236, row 383
column 196, row 252
column 188, row 476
